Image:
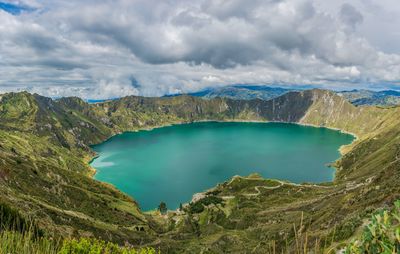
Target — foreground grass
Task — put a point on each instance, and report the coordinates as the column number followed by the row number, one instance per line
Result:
column 19, row 235
column 94, row 246
column 381, row 235
column 12, row 242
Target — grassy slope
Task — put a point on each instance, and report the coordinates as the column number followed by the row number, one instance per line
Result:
column 46, row 175
column 366, row 180
column 43, row 171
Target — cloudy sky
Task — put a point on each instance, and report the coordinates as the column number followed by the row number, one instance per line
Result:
column 105, row 49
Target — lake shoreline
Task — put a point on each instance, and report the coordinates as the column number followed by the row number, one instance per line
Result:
column 94, row 171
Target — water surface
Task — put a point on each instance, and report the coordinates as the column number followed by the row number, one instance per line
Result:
column 172, row 163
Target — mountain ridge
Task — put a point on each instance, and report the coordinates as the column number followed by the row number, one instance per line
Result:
column 248, row 92
column 45, row 148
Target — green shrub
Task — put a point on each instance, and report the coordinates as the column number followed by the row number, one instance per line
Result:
column 198, row 206
column 381, row 235
column 94, row 246
column 16, row 243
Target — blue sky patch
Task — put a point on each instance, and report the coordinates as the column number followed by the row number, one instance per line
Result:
column 14, row 9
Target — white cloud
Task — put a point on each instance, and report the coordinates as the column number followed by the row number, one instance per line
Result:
column 114, row 48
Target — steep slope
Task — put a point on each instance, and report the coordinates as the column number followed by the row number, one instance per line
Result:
column 43, row 171
column 133, row 112
column 330, row 110
column 44, row 150
column 314, row 107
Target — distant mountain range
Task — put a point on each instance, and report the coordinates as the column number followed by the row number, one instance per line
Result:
column 368, row 97
column 249, row 92
column 243, row 92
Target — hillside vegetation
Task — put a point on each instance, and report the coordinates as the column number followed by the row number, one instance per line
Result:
column 45, row 150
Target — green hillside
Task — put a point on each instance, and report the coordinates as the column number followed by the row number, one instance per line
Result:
column 44, row 172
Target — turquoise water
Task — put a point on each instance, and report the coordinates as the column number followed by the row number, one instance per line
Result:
column 172, row 163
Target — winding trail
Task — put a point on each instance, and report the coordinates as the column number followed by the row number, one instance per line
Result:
column 281, row 183
column 258, row 192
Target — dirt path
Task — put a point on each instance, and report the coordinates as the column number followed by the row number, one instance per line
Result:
column 281, row 183
column 258, row 192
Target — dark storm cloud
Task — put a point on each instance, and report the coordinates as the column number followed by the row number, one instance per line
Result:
column 35, row 40
column 237, row 34
column 223, row 34
column 62, row 64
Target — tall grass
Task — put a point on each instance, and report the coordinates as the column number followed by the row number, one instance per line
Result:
column 381, row 235
column 19, row 235
column 95, row 246
column 13, row 242
column 301, row 243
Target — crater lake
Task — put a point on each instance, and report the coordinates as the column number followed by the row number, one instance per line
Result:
column 172, row 163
